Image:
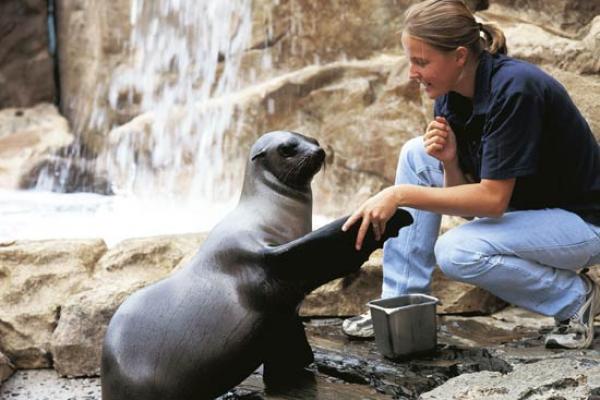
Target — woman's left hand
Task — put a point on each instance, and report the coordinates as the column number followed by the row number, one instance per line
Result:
column 375, row 211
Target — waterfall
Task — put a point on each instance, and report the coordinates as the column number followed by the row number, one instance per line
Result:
column 184, row 53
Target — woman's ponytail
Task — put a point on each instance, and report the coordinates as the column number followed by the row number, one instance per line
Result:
column 495, row 41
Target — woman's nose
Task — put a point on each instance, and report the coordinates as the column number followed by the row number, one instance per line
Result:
column 412, row 72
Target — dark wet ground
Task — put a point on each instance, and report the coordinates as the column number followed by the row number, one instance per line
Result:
column 354, row 369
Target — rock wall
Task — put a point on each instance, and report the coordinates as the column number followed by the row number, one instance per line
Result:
column 335, row 71
column 93, row 39
column 26, row 66
column 348, row 86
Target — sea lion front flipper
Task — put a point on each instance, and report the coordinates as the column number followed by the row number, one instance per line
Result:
column 328, row 253
column 287, row 352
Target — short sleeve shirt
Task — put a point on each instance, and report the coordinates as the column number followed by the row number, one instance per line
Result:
column 521, row 123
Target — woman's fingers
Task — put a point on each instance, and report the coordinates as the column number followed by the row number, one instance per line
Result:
column 378, row 227
column 352, row 219
column 435, row 140
column 362, row 231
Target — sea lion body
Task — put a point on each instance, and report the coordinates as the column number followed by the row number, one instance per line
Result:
column 233, row 307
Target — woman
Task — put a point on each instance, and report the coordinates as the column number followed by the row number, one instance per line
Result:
column 509, row 147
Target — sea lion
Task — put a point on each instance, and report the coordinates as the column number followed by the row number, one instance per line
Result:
column 202, row 330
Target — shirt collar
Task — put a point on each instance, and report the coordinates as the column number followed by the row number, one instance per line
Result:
column 483, row 81
column 481, row 95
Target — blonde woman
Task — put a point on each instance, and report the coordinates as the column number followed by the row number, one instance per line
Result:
column 508, row 147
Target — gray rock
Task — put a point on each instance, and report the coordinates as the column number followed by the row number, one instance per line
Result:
column 561, row 378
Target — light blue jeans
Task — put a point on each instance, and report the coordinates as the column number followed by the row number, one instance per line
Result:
column 528, row 258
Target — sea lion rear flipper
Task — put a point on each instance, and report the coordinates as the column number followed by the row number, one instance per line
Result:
column 328, row 253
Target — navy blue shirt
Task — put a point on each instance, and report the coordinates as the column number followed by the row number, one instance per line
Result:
column 521, row 123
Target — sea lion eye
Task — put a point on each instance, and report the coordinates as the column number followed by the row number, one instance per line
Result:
column 288, row 149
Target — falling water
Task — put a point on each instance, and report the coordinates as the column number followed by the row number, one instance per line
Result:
column 185, row 54
column 184, row 64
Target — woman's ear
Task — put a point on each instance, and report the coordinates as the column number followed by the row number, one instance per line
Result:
column 462, row 54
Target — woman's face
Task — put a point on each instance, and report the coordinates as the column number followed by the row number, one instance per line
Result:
column 438, row 71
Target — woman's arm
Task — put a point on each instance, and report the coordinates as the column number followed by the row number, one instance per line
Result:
column 488, row 198
column 453, row 175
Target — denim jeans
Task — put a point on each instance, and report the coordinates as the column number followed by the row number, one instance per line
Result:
column 528, row 258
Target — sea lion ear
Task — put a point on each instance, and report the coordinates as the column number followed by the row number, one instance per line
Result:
column 328, row 252
column 258, row 153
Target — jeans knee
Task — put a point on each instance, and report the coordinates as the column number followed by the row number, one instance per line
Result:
column 415, row 166
column 412, row 148
column 457, row 259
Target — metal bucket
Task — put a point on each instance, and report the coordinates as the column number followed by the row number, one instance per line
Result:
column 404, row 325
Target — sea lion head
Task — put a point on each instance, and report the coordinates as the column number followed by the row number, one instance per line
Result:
column 293, row 159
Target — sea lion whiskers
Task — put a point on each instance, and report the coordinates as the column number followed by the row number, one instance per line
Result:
column 294, row 171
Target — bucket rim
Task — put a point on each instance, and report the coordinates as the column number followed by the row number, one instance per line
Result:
column 432, row 300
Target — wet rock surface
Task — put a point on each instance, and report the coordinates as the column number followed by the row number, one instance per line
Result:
column 28, row 137
column 493, row 357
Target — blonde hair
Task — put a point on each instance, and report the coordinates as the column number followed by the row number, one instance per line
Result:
column 448, row 24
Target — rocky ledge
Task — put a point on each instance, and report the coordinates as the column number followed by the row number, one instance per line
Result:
column 497, row 357
column 57, row 296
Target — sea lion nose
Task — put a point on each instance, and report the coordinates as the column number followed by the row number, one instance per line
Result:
column 320, row 154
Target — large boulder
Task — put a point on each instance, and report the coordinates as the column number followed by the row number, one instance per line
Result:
column 128, row 266
column 537, row 45
column 28, row 136
column 566, row 16
column 288, row 35
column 26, row 66
column 36, row 279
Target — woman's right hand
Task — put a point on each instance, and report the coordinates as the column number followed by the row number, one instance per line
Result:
column 439, row 140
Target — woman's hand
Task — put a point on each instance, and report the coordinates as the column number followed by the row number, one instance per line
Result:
column 439, row 140
column 375, row 211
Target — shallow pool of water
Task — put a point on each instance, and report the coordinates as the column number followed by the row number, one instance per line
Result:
column 35, row 215
column 45, row 215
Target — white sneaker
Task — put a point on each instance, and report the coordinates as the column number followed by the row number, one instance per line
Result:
column 578, row 331
column 360, row 326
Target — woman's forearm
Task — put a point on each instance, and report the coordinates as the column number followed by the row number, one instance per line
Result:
column 453, row 175
column 485, row 199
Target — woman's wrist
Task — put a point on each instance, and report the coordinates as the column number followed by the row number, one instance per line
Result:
column 451, row 164
column 398, row 195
